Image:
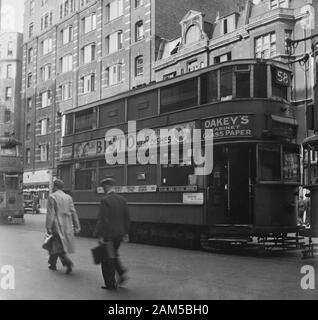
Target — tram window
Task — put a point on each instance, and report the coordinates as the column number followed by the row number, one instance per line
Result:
column 209, row 87
column 116, row 173
column 179, row 96
column 84, row 120
column 243, row 84
column 65, row 175
column 291, row 165
column 112, row 113
column 280, row 91
column 143, row 105
column 11, row 182
column 2, row 186
column 173, row 175
column 260, row 80
column 269, row 163
column 149, row 172
column 226, row 83
column 69, row 124
column 84, row 179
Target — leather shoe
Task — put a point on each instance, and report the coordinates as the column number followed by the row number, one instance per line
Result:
column 110, row 288
column 53, row 268
column 69, row 270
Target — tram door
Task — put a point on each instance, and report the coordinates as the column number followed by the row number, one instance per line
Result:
column 230, row 198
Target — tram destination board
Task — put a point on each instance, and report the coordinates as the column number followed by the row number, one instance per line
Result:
column 231, row 126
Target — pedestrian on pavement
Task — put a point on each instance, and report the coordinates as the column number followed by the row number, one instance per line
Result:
column 112, row 226
column 62, row 222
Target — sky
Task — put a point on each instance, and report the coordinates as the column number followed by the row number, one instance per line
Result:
column 12, row 15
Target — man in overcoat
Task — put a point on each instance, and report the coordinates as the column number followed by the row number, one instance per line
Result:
column 61, row 221
column 112, row 226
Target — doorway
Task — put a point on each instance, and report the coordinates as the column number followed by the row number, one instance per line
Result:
column 230, row 190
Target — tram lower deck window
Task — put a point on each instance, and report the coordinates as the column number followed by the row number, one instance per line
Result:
column 269, row 162
column 176, row 175
column 84, row 179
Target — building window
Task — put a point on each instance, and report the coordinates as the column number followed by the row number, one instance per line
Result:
column 10, row 48
column 44, row 153
column 139, row 66
column 30, row 55
column 88, row 83
column 46, row 99
column 169, row 75
column 29, row 105
column 29, row 80
column 46, row 72
column 89, row 23
column 265, row 46
column 47, row 46
column 32, row 5
column 88, row 53
column 46, row 20
column 114, row 10
column 114, row 75
column 67, row 91
column 223, row 58
column 7, row 116
column 44, row 125
column 139, row 30
column 66, row 8
column 28, row 131
column 8, row 93
column 9, row 71
column 114, row 42
column 193, row 34
column 28, row 156
column 31, row 29
column 192, row 65
column 274, row 4
column 66, row 63
column 67, row 35
column 138, row 3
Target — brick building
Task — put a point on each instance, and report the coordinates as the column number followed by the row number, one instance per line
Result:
column 258, row 30
column 10, row 84
column 77, row 52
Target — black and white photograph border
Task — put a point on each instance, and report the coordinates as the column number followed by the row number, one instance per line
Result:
column 158, row 150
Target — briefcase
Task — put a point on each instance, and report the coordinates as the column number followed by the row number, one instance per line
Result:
column 103, row 252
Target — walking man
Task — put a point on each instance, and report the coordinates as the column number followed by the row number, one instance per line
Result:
column 61, row 221
column 112, row 225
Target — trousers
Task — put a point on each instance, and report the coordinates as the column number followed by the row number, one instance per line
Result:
column 111, row 266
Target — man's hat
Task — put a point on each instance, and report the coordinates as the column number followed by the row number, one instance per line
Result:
column 108, row 182
column 58, row 184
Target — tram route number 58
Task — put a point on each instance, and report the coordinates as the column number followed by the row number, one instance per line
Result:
column 282, row 77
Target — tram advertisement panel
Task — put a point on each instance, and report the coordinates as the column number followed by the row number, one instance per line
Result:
column 231, row 126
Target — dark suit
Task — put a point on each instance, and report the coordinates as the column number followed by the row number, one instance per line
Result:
column 112, row 225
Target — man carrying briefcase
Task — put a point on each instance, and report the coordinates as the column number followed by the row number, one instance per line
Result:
column 112, row 226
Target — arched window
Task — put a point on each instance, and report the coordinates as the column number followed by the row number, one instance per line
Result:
column 193, row 34
column 139, row 30
column 139, row 66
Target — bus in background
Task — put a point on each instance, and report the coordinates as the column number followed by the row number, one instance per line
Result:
column 11, row 176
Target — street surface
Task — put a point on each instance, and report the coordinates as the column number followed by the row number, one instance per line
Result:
column 155, row 273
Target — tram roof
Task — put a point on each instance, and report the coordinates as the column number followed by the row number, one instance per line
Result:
column 156, row 85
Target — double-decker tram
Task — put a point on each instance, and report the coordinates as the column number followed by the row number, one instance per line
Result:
column 11, row 177
column 250, row 195
column 310, row 162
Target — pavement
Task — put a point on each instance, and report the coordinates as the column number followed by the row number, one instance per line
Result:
column 155, row 273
